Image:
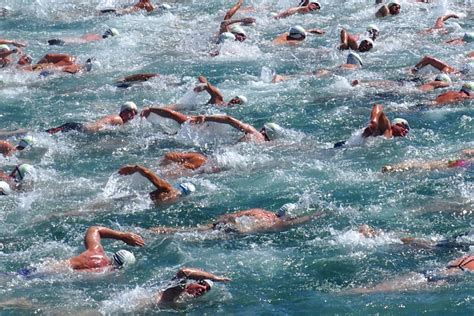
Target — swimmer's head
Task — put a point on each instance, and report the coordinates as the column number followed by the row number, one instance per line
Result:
column 394, row 7
column 110, row 32
column 366, row 44
column 226, row 36
column 314, row 5
column 25, row 60
column 297, row 32
column 123, row 258
column 285, row 209
column 373, row 31
column 128, row 110
column 271, row 131
column 468, row 88
column 25, row 142
column 22, row 171
column 468, row 37
column 185, row 188
column 443, row 77
column 199, row 288
column 400, row 127
column 240, row 99
column 164, row 6
column 354, row 59
column 238, row 32
column 4, row 47
column 5, row 188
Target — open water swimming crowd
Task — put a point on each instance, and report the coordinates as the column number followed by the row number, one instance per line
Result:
column 269, row 193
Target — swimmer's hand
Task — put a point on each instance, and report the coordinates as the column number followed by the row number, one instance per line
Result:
column 221, row 279
column 128, row 170
column 316, row 31
column 133, row 239
column 197, row 119
column 145, row 112
column 18, row 44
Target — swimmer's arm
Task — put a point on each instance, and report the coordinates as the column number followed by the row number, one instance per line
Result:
column 6, row 148
column 226, row 119
column 288, row 13
column 468, row 153
column 382, row 12
column 438, row 64
column 378, row 122
column 347, row 41
column 196, row 274
column 303, row 219
column 8, row 42
column 167, row 113
column 233, row 10
column 172, row 293
column 315, row 31
column 92, row 240
column 225, row 24
column 159, row 183
column 137, row 77
column 440, row 21
column 8, row 53
column 214, row 92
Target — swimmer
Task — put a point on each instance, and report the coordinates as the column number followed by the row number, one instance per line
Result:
column 295, row 35
column 51, row 62
column 354, row 61
column 440, row 25
column 127, row 112
column 393, row 8
column 127, row 81
column 5, row 52
column 466, row 93
column 7, row 149
column 10, row 42
column 146, row 5
column 216, row 96
column 87, row 38
column 188, row 160
column 310, row 7
column 246, row 222
column 187, row 282
column 465, row 161
column 434, row 62
column 15, row 179
column 461, row 241
column 349, row 41
column 440, row 81
column 467, row 38
column 233, row 26
column 165, row 192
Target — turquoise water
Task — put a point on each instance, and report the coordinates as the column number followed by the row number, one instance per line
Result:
column 304, row 270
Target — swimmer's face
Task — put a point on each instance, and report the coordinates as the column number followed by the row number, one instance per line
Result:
column 263, row 131
column 235, row 101
column 394, row 9
column 373, row 34
column 197, row 289
column 128, row 115
column 24, row 60
column 365, row 46
column 314, row 6
column 400, row 130
column 240, row 37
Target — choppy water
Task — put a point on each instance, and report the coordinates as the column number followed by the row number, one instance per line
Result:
column 304, row 270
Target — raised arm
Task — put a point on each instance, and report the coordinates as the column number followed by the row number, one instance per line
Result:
column 214, row 92
column 159, row 183
column 438, row 64
column 225, row 24
column 233, row 10
column 196, row 274
column 9, row 42
column 226, row 119
column 94, row 234
column 180, row 118
column 379, row 123
column 288, row 12
column 382, row 12
column 440, row 21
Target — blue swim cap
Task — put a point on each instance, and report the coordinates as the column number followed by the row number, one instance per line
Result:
column 185, row 188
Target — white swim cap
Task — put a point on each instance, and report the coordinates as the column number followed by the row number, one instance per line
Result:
column 393, row 2
column 209, row 282
column 164, row 6
column 23, row 170
column 443, row 77
column 468, row 87
column 243, row 99
column 288, row 207
column 5, row 188
column 26, row 141
column 371, row 27
column 123, row 258
column 226, row 36
column 111, row 32
column 273, row 130
column 185, row 188
column 297, row 32
column 237, row 29
column 4, row 47
column 129, row 106
column 354, row 59
column 401, row 121
column 468, row 37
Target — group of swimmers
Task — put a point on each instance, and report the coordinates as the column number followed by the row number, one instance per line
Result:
column 192, row 281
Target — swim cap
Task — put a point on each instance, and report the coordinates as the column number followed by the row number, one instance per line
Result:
column 25, row 142
column 123, row 258
column 468, row 87
column 129, row 106
column 5, row 188
column 354, row 59
column 288, row 207
column 111, row 32
column 371, row 27
column 185, row 188
column 273, row 130
column 226, row 36
column 237, row 29
column 297, row 32
column 4, row 47
column 209, row 282
column 23, row 170
column 164, row 6
column 243, row 99
column 394, row 2
column 468, row 37
column 315, row 2
column 443, row 77
column 401, row 121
